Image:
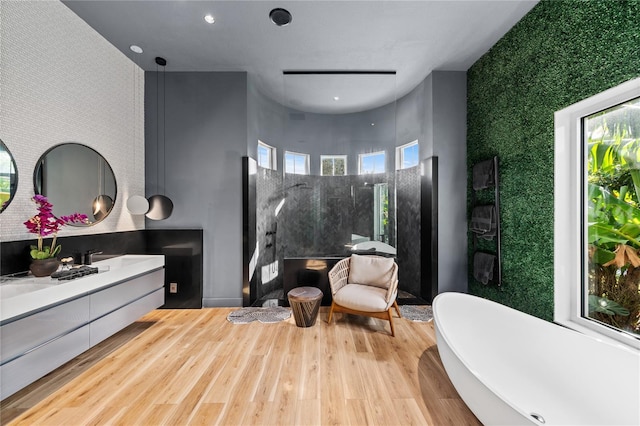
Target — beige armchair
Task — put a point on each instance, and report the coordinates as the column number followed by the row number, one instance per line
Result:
column 365, row 285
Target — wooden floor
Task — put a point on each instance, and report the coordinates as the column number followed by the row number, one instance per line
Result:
column 181, row 367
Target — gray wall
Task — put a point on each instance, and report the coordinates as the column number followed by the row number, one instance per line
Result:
column 410, row 118
column 206, row 137
column 324, row 134
column 266, row 122
column 342, row 134
column 445, row 104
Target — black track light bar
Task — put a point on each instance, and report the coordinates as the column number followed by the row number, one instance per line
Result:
column 337, row 72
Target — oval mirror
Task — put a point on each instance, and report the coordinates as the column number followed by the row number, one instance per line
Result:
column 76, row 179
column 8, row 177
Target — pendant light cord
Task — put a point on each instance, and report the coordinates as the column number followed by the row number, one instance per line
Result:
column 162, row 62
column 135, row 117
column 164, row 131
column 157, row 129
column 133, row 67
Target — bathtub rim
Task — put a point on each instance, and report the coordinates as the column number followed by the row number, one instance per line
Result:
column 486, row 379
column 462, row 360
column 632, row 349
column 467, row 382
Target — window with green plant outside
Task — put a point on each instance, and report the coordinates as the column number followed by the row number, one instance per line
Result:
column 611, row 287
column 333, row 165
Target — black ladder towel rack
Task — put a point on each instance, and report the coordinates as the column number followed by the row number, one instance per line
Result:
column 485, row 223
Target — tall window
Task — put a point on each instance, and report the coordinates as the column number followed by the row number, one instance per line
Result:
column 371, row 163
column 333, row 165
column 597, row 229
column 266, row 156
column 407, row 155
column 296, row 163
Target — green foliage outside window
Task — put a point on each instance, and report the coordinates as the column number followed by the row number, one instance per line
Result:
column 613, row 174
column 333, row 166
column 327, row 167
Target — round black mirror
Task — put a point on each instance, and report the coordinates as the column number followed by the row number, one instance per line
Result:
column 8, row 177
column 76, row 179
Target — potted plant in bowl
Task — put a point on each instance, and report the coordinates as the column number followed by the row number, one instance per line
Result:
column 44, row 261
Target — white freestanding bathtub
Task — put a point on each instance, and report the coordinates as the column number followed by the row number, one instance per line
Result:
column 511, row 368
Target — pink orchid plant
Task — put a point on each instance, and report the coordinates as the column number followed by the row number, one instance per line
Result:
column 45, row 224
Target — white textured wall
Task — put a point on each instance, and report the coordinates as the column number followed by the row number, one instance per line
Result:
column 61, row 81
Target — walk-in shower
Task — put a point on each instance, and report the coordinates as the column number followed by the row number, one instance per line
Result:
column 332, row 187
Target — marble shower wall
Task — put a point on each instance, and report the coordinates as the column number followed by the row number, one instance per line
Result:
column 408, row 244
column 268, row 194
column 318, row 215
column 321, row 213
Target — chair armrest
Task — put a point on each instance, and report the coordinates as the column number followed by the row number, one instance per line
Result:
column 338, row 275
column 394, row 283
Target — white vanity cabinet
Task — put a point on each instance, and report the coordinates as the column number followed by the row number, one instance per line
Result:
column 39, row 343
column 118, row 306
column 42, row 330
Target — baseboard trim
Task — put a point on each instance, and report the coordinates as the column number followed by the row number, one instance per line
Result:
column 215, row 302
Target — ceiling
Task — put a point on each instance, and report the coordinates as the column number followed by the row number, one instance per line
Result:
column 411, row 38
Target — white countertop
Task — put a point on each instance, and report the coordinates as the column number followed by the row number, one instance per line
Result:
column 47, row 291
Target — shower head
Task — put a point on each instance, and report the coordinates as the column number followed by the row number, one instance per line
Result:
column 303, row 185
column 285, row 192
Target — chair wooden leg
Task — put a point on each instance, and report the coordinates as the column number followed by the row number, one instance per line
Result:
column 330, row 312
column 391, row 322
column 395, row 304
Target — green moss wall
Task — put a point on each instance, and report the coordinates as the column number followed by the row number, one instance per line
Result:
column 559, row 53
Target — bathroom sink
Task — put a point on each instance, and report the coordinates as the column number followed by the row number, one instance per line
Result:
column 11, row 290
column 120, row 262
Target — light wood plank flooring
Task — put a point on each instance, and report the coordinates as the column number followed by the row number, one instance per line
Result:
column 192, row 367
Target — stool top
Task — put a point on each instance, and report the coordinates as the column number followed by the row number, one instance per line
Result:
column 305, row 293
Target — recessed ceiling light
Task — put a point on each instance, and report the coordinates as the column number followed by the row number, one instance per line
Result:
column 373, row 124
column 336, row 98
column 280, row 17
column 135, row 48
column 210, row 19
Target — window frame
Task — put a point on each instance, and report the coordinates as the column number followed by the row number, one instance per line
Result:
column 570, row 190
column 273, row 164
column 372, row 154
column 295, row 154
column 400, row 155
column 333, row 157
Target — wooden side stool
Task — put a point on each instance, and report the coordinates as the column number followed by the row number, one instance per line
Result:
column 305, row 304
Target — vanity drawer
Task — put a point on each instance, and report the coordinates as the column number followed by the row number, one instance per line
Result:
column 112, row 298
column 110, row 324
column 30, row 367
column 21, row 336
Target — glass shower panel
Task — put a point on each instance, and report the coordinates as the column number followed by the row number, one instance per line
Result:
column 381, row 212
